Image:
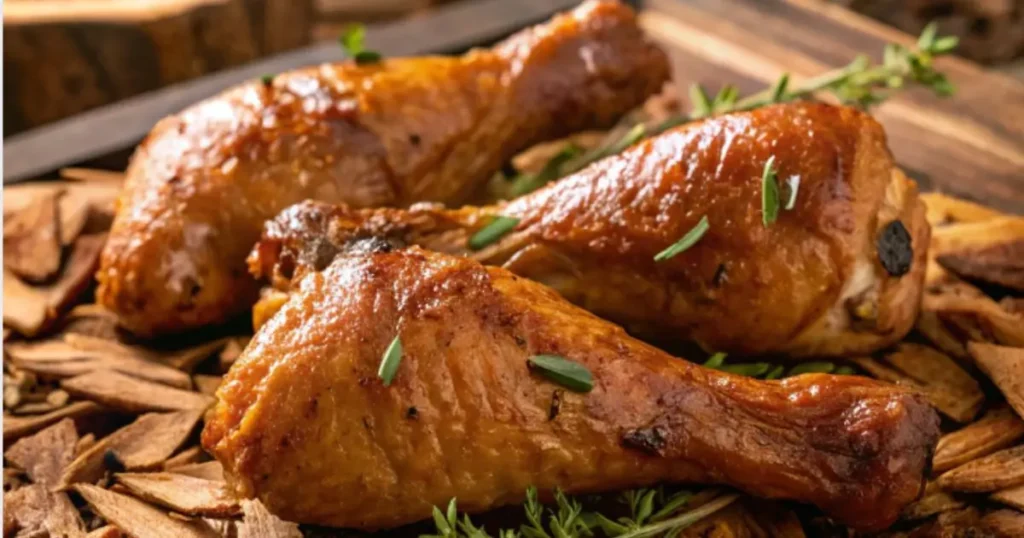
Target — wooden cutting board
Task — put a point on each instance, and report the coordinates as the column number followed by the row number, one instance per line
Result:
column 970, row 145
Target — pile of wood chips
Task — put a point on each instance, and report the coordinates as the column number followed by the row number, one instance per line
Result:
column 102, row 432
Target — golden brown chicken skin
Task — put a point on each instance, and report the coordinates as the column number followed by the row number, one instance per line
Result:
column 840, row 273
column 404, row 130
column 304, row 423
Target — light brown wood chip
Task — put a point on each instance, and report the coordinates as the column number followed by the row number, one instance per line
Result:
column 106, row 531
column 187, row 359
column 32, row 309
column 16, row 427
column 1005, row 367
column 184, row 494
column 1011, row 496
column 934, row 501
column 1001, row 264
column 207, row 384
column 38, row 511
column 138, row 519
column 945, row 381
column 998, row 429
column 1004, row 523
column 996, row 324
column 189, row 456
column 142, row 445
column 258, row 522
column 133, row 395
column 56, row 358
column 946, row 401
column 210, row 470
column 932, row 327
column 44, row 455
column 943, row 209
column 32, row 246
column 1004, row 469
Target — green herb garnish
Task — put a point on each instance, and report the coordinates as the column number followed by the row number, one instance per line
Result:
column 715, row 361
column 769, row 193
column 390, row 361
column 845, row 370
column 776, row 372
column 652, row 513
column 267, row 79
column 531, row 182
column 570, row 374
column 813, row 368
column 686, row 242
column 495, row 230
column 859, row 83
column 352, row 41
column 752, row 369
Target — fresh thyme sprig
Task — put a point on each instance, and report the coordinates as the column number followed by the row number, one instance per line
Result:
column 860, row 83
column 652, row 512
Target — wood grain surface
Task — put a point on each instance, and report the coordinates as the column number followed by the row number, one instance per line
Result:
column 970, row 145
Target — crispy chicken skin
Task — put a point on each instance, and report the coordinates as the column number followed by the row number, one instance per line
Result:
column 304, row 423
column 840, row 273
column 405, row 130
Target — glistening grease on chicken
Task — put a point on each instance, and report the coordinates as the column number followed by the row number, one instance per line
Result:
column 392, row 133
column 839, row 273
column 304, row 423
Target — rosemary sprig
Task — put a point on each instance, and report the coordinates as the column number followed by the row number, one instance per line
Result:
column 686, row 242
column 570, row 374
column 389, row 361
column 652, row 512
column 352, row 41
column 495, row 230
column 860, row 83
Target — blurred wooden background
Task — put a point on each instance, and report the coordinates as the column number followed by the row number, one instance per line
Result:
column 62, row 57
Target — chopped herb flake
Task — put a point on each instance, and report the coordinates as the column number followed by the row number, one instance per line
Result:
column 495, row 230
column 570, row 374
column 686, row 242
column 754, row 369
column 813, row 368
column 352, row 41
column 390, row 361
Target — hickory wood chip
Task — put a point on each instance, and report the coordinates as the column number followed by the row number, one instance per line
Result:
column 106, row 531
column 183, row 359
column 934, row 501
column 1003, row 469
column 182, row 493
column 935, row 330
column 258, row 522
column 142, row 445
column 1011, row 496
column 1005, row 367
column 138, row 519
column 133, row 395
column 191, row 455
column 15, row 427
column 1001, row 264
column 57, row 358
column 32, row 246
column 1013, row 305
column 84, row 443
column 207, row 384
column 996, row 324
column 209, row 470
column 44, row 455
column 997, row 429
column 30, row 310
column 944, row 378
column 1008, row 523
column 943, row 209
column 37, row 511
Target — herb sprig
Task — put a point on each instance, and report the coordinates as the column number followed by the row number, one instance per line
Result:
column 766, row 370
column 352, row 41
column 652, row 512
column 860, row 83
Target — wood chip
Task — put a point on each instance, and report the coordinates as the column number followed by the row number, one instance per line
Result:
column 1001, row 264
column 231, row 352
column 191, row 455
column 32, row 247
column 1005, row 367
column 138, row 519
column 85, row 442
column 59, row 359
column 131, row 394
column 1011, row 496
column 106, row 531
column 932, row 327
column 184, row 494
column 91, row 320
column 209, row 470
column 1004, row 469
column 943, row 209
column 999, row 326
column 934, row 501
column 207, row 384
column 1013, row 305
column 99, row 194
column 188, row 359
column 997, row 429
column 976, row 235
column 142, row 445
column 37, row 511
column 31, row 310
column 258, row 522
column 44, row 455
column 945, row 381
column 1004, row 523
column 16, row 427
column 96, row 175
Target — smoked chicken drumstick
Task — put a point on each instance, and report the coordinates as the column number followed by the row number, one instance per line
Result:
column 839, row 273
column 304, row 423
column 400, row 131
